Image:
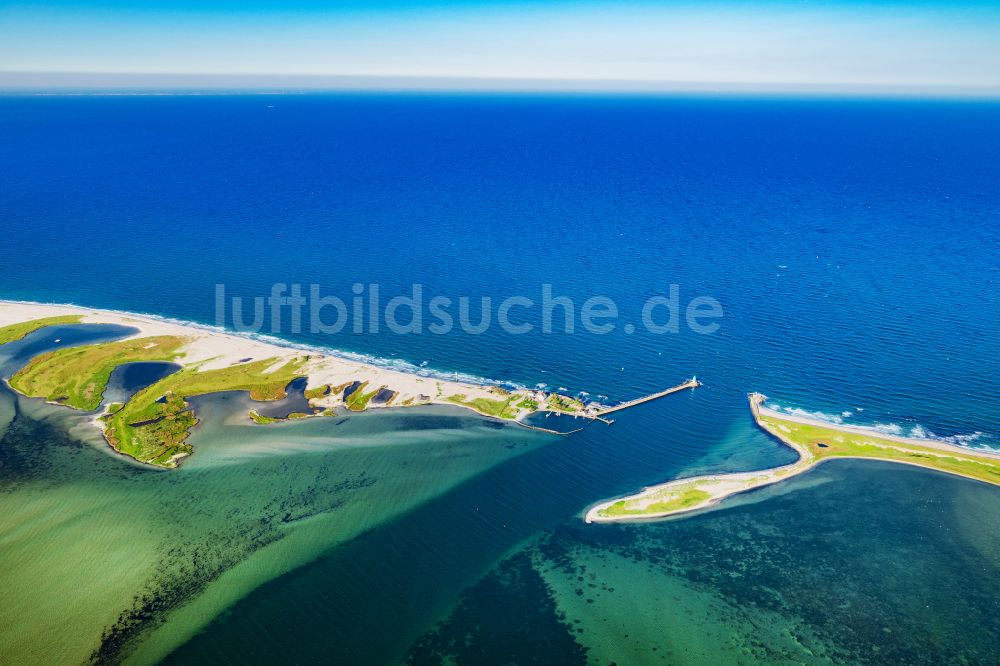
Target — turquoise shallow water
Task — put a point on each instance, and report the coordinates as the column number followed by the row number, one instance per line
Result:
column 111, row 552
column 852, row 562
column 434, row 536
column 851, row 245
column 452, row 542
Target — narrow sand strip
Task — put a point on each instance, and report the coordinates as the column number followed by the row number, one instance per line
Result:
column 212, row 348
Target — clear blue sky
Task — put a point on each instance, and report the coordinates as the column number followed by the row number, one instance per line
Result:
column 808, row 43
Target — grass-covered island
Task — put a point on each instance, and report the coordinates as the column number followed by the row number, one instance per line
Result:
column 154, row 424
column 814, row 441
column 78, row 376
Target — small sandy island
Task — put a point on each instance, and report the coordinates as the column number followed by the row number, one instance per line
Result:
column 814, row 441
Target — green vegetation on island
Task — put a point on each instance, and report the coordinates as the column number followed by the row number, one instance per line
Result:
column 78, row 376
column 496, row 408
column 154, row 425
column 358, row 400
column 562, row 403
column 17, row 331
column 527, row 403
column 318, row 392
column 260, row 419
column 683, row 500
column 823, row 443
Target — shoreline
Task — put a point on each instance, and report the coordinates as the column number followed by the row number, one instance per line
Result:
column 872, row 432
column 213, row 360
column 387, row 364
column 153, row 425
column 210, row 348
column 707, row 491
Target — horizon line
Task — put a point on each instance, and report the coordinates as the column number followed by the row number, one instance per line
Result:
column 69, row 82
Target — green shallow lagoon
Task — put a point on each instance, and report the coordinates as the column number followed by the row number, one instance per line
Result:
column 405, row 536
column 105, row 559
column 851, row 563
column 434, row 536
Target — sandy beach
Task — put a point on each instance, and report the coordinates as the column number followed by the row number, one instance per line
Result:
column 211, row 348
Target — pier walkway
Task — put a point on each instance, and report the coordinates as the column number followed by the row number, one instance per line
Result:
column 689, row 384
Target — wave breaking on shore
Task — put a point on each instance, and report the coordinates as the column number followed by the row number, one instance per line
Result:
column 976, row 440
column 393, row 364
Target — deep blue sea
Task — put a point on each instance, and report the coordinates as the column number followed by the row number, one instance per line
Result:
column 854, row 246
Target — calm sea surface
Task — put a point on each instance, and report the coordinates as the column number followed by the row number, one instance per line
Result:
column 852, row 245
